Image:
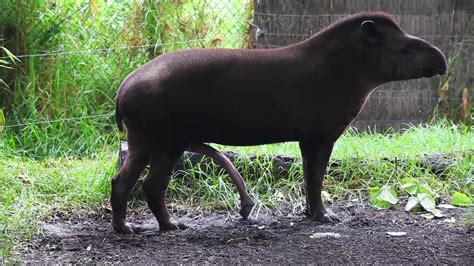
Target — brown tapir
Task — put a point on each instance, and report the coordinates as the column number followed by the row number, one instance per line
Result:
column 307, row 92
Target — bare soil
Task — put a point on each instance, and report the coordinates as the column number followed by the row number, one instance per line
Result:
column 213, row 237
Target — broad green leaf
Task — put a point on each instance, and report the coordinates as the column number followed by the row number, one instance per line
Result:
column 388, row 194
column 410, row 185
column 412, row 203
column 408, row 180
column 374, row 193
column 383, row 197
column 410, row 188
column 426, row 201
column 461, row 200
column 425, row 188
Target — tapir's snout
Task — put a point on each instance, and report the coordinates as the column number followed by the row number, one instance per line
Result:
column 419, row 58
column 435, row 63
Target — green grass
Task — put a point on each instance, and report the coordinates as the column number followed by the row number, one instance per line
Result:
column 36, row 188
column 52, row 163
column 32, row 189
column 441, row 137
column 83, row 83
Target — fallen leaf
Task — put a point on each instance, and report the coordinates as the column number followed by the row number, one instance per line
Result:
column 446, row 206
column 450, row 220
column 215, row 42
column 388, row 194
column 412, row 203
column 437, row 213
column 24, row 179
column 426, row 201
column 326, row 196
column 279, row 195
column 396, row 233
column 325, row 235
column 428, row 215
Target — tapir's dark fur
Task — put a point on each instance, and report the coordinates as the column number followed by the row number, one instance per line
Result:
column 307, row 92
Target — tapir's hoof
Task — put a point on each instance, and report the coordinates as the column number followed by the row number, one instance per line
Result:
column 171, row 226
column 124, row 228
column 325, row 217
column 246, row 209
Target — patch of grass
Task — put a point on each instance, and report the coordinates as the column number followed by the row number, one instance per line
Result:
column 32, row 189
column 99, row 44
column 364, row 161
column 35, row 188
column 440, row 137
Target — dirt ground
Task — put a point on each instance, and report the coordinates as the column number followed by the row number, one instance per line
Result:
column 361, row 237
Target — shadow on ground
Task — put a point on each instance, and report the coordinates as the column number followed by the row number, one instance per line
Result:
column 361, row 237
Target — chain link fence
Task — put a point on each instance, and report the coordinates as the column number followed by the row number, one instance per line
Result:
column 70, row 48
column 448, row 24
column 66, row 49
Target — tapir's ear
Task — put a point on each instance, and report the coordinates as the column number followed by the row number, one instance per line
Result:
column 369, row 30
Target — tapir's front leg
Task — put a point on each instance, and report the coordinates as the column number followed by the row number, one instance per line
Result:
column 315, row 156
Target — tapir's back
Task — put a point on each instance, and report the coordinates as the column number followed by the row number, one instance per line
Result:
column 216, row 95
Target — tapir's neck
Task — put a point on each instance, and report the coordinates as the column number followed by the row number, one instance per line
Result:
column 340, row 58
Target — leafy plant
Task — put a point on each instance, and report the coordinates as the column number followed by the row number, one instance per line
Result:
column 2, row 121
column 383, row 197
column 461, row 199
column 422, row 197
column 5, row 63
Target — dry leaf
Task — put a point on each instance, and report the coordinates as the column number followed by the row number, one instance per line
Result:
column 465, row 108
column 396, row 233
column 24, row 179
column 216, row 42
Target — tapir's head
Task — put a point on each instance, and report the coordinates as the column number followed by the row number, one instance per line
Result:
column 390, row 53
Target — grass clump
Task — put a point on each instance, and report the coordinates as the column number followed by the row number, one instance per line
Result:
column 360, row 161
column 82, row 50
column 36, row 188
column 33, row 189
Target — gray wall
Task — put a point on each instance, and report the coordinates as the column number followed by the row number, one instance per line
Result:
column 449, row 24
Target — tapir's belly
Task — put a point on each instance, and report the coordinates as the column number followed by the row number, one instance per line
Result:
column 239, row 130
column 247, row 137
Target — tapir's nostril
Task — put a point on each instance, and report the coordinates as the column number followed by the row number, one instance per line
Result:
column 441, row 71
column 441, row 59
column 427, row 72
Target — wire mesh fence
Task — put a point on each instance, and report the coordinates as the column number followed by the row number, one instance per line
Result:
column 448, row 24
column 69, row 49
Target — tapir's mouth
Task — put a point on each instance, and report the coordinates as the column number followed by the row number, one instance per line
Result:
column 430, row 72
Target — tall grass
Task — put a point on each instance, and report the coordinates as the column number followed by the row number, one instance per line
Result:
column 50, row 162
column 82, row 84
column 441, row 136
column 34, row 188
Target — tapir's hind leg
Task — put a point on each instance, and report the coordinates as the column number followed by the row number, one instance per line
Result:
column 124, row 180
column 161, row 165
column 246, row 203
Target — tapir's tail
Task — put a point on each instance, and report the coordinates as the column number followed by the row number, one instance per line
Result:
column 118, row 119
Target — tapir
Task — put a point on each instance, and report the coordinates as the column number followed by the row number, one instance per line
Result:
column 307, row 92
